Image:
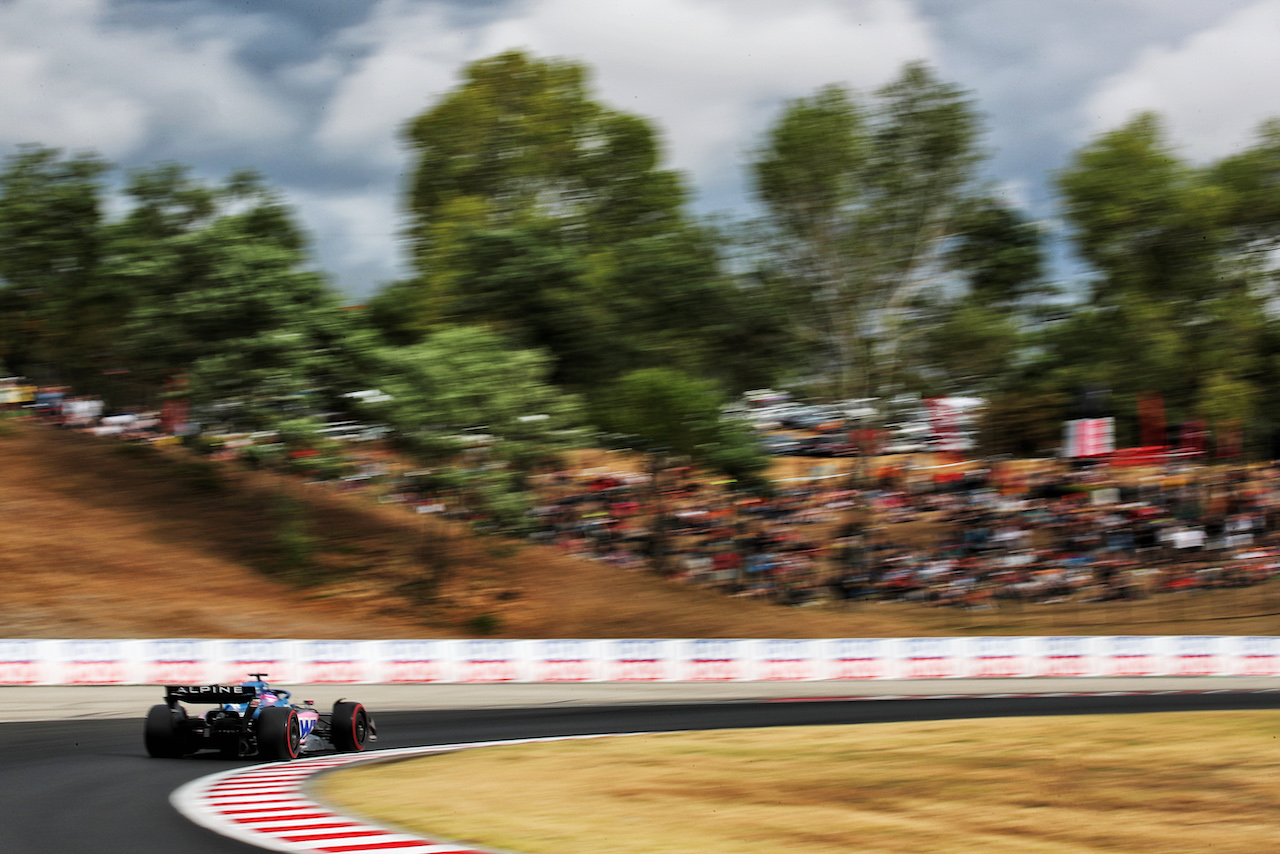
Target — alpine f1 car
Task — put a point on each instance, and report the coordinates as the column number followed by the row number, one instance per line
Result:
column 253, row 720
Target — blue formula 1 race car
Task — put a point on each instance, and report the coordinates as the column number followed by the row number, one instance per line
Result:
column 253, row 720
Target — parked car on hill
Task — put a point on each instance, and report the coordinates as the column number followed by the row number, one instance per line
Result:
column 805, row 418
column 826, row 445
column 779, row 446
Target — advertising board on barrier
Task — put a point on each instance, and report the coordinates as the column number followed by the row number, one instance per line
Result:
column 1258, row 656
column 995, row 658
column 23, row 662
column 787, row 660
column 30, row 661
column 711, row 660
column 273, row 657
column 858, row 658
column 564, row 661
column 642, row 660
column 1195, row 656
column 414, row 661
column 1131, row 655
column 176, row 662
column 95, row 662
column 333, row 662
column 1062, row 657
column 928, row 658
column 487, row 661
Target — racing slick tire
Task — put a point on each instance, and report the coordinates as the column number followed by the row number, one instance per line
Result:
column 279, row 734
column 349, row 727
column 163, row 734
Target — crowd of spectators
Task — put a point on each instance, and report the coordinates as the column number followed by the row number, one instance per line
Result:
column 960, row 534
column 697, row 531
column 1076, row 537
column 974, row 541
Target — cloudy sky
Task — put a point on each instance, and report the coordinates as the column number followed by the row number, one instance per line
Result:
column 311, row 92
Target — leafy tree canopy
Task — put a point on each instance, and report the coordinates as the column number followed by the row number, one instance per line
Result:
column 522, row 137
column 1183, row 273
column 865, row 195
column 539, row 210
column 463, row 382
column 1145, row 219
column 52, row 307
column 669, row 413
column 218, row 288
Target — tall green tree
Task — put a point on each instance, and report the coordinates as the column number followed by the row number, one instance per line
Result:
column 220, row 291
column 671, row 416
column 537, row 209
column 1182, row 281
column 524, row 138
column 1251, row 177
column 522, row 142
column 55, row 316
column 1146, row 220
column 668, row 413
column 971, row 348
column 975, row 333
column 480, row 410
column 999, row 253
column 865, row 196
column 469, row 380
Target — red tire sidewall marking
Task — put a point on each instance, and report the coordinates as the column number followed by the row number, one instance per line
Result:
column 293, row 749
column 355, row 718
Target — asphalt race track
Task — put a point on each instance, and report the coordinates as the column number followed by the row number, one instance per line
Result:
column 88, row 786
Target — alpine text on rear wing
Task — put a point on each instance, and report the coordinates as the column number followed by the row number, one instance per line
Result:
column 210, row 693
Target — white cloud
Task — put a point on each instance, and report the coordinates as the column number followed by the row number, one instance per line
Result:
column 414, row 55
column 1013, row 192
column 1213, row 89
column 74, row 80
column 356, row 234
column 710, row 72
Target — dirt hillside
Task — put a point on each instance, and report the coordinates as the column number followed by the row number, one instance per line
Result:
column 104, row 539
column 100, row 538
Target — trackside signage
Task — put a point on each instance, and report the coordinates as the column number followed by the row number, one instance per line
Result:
column 238, row 657
column 184, row 661
column 333, row 661
column 1257, row 656
column 412, row 661
column 859, row 658
column 1064, row 656
column 565, row 661
column 644, row 660
column 22, row 662
column 177, row 661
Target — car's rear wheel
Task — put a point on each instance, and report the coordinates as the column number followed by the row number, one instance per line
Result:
column 349, row 727
column 279, row 734
column 163, row 733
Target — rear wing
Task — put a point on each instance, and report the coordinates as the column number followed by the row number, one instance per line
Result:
column 209, row 693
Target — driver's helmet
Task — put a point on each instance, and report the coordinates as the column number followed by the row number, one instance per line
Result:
column 267, row 698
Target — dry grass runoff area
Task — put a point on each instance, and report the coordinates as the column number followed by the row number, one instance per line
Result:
column 1140, row 784
column 104, row 539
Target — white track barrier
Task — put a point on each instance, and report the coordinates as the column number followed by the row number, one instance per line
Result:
column 201, row 661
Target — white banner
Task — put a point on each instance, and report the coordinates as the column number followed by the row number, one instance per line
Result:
column 199, row 661
column 1089, row 437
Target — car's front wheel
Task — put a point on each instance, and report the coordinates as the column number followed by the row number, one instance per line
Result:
column 349, row 727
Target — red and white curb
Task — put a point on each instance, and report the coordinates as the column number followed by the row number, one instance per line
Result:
column 266, row 806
